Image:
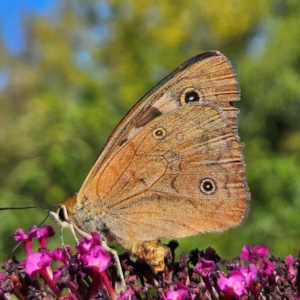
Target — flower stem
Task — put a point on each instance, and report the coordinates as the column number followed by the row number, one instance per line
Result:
column 50, row 283
column 105, row 280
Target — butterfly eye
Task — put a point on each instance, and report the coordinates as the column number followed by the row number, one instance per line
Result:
column 62, row 214
column 159, row 133
column 207, row 186
column 190, row 95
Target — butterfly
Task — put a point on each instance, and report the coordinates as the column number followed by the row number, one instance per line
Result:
column 173, row 167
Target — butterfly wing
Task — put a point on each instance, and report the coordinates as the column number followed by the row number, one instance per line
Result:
column 191, row 180
column 210, row 74
column 174, row 166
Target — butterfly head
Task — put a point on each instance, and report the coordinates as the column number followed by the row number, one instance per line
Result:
column 63, row 216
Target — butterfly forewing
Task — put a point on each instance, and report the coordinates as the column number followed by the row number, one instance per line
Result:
column 174, row 165
column 210, row 73
column 158, row 193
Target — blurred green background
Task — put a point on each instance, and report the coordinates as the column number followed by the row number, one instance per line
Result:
column 83, row 64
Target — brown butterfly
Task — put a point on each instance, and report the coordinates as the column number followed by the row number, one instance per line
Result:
column 173, row 167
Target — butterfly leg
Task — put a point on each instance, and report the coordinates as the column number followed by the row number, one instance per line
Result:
column 63, row 243
column 114, row 253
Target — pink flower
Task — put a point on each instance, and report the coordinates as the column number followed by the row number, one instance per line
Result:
column 238, row 280
column 261, row 250
column 234, row 285
column 87, row 243
column 33, row 231
column 266, row 267
column 258, row 251
column 249, row 273
column 258, row 256
column 176, row 295
column 179, row 294
column 60, row 254
column 43, row 233
column 204, row 267
column 126, row 295
column 291, row 273
column 96, row 258
column 2, row 277
column 58, row 272
column 37, row 261
column 21, row 236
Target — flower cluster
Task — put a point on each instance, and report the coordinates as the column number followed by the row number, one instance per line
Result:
column 89, row 273
column 253, row 275
column 91, row 260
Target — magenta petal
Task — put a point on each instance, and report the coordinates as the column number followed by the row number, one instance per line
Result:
column 2, row 276
column 234, row 285
column 204, row 267
column 268, row 266
column 57, row 272
column 36, row 261
column 57, row 253
column 84, row 245
column 181, row 286
column 162, row 296
column 126, row 295
column 181, row 293
column 96, row 238
column 61, row 255
column 291, row 272
column 33, row 231
column 222, row 282
column 245, row 252
column 96, row 258
column 87, row 243
column 171, row 295
column 45, row 259
column 46, row 231
column 289, row 260
column 20, row 235
column 249, row 273
column 261, row 250
column 253, row 271
column 31, row 263
column 176, row 295
column 43, row 233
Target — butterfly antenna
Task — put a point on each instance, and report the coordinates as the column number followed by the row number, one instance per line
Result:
column 21, row 207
